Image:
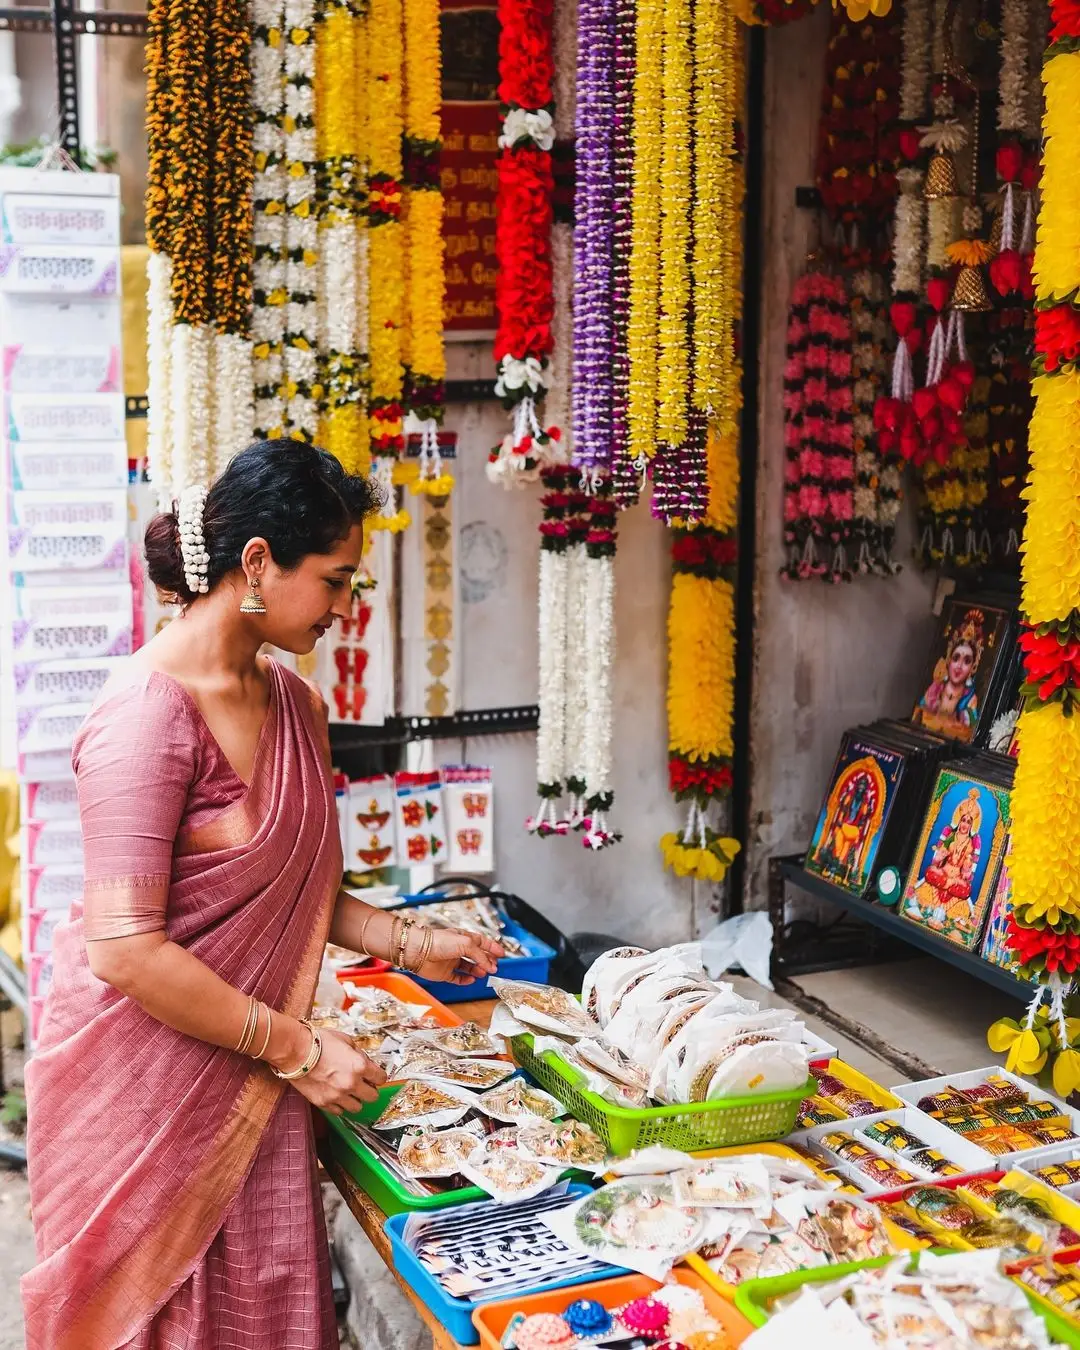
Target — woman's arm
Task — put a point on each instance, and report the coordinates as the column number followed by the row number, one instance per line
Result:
column 176, row 988
column 451, row 955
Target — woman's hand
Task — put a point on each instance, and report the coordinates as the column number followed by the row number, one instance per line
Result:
column 457, row 957
column 343, row 1080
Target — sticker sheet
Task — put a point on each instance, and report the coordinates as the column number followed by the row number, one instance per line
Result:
column 468, row 797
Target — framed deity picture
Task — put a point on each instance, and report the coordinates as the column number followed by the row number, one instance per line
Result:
column 855, row 812
column 993, row 947
column 964, row 668
column 953, row 874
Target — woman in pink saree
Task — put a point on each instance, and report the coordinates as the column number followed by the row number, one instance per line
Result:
column 171, row 1158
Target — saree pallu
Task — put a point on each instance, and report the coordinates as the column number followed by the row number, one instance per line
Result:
column 173, row 1183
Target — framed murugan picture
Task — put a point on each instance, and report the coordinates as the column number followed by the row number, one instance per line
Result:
column 853, row 816
column 953, row 874
column 966, row 653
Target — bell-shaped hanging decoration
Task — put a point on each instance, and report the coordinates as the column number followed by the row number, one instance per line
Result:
column 995, row 234
column 940, row 177
column 970, row 295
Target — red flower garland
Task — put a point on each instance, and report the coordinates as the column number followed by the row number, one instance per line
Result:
column 523, row 286
column 1043, row 949
column 1052, row 661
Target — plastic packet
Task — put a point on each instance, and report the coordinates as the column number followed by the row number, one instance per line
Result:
column 480, row 1074
column 602, row 977
column 425, row 1103
column 728, row 1183
column 438, row 1153
column 845, row 1227
column 497, row 1165
column 467, row 1039
column 544, row 1006
column 568, row 1143
column 596, row 1080
column 632, row 1222
column 413, row 1059
column 656, row 1160
column 518, row 1100
column 374, row 1008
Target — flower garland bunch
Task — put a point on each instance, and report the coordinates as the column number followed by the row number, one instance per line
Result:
column 1045, row 865
column 302, row 392
column 627, row 475
column 701, row 672
column 268, row 228
column 340, row 39
column 875, row 501
column 523, row 286
column 818, row 435
column 598, row 662
column 426, row 360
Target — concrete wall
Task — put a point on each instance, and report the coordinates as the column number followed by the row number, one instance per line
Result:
column 825, row 657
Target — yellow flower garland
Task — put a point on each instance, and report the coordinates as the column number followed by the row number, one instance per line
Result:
column 1057, row 273
column 701, row 691
column 645, row 233
column 673, row 364
column 1052, row 535
column 1045, row 862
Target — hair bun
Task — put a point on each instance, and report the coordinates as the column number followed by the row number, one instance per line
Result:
column 164, row 560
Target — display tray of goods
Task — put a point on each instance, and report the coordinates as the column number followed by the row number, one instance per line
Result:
column 456, row 1260
column 683, row 1310
column 656, row 1052
column 957, row 1299
column 527, row 958
column 381, row 991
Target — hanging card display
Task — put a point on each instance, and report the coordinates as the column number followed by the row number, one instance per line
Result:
column 56, row 886
column 46, row 218
column 52, row 801
column 51, row 417
column 954, row 871
column 468, row 798
column 421, row 825
column 49, row 726
column 58, row 466
column 53, row 841
column 355, row 662
column 371, row 834
column 59, row 269
column 61, row 681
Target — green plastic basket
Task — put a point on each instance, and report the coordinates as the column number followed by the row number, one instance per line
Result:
column 755, row 1298
column 720, row 1124
column 373, row 1177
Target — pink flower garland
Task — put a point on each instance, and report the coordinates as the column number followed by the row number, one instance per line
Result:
column 820, row 473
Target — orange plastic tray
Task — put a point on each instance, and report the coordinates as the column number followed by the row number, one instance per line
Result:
column 409, row 992
column 492, row 1319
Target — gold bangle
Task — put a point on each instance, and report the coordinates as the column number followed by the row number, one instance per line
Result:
column 313, row 1057
column 425, row 950
column 250, row 1023
column 363, row 933
column 395, row 929
column 403, row 942
column 269, row 1029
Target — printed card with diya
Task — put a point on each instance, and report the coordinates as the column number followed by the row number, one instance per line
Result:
column 855, row 814
column 954, row 872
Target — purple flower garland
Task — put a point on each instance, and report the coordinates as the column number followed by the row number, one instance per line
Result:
column 594, row 234
column 626, row 478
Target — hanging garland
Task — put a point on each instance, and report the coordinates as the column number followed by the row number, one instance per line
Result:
column 599, row 659
column 523, row 284
column 302, row 393
column 426, row 360
column 819, row 479
column 627, row 475
column 1045, row 865
column 340, row 48
column 876, row 498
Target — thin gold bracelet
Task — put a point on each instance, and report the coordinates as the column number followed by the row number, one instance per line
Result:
column 363, row 932
column 251, row 1022
column 313, row 1057
column 269, row 1029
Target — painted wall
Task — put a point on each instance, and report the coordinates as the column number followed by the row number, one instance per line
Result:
column 826, row 657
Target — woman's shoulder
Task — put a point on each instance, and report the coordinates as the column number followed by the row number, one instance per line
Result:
column 306, row 692
column 139, row 700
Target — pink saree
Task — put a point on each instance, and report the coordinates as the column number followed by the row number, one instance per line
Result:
column 174, row 1185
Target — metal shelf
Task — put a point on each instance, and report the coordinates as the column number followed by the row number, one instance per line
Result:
column 398, row 730
column 790, row 872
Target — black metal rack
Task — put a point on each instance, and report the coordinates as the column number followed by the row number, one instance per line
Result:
column 400, row 730
column 789, row 871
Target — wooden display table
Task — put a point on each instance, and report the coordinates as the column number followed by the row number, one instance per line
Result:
column 371, row 1218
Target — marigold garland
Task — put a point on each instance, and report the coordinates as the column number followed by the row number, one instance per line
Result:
column 673, row 360
column 1045, row 864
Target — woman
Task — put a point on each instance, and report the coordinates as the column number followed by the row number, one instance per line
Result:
column 171, row 1165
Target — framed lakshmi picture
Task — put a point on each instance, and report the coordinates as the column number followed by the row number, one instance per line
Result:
column 854, row 814
column 968, row 650
column 952, row 878
column 993, row 947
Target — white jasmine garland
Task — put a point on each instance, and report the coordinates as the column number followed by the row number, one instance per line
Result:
column 189, row 367
column 232, row 417
column 159, row 429
column 338, row 263
column 551, row 727
column 1038, row 29
column 521, row 125
column 189, row 524
column 599, row 664
column 1014, row 77
column 268, row 220
column 577, row 628
column 515, row 374
column 908, row 232
column 363, row 254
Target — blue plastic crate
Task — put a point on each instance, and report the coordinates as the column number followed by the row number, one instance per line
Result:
column 455, row 1314
column 535, row 966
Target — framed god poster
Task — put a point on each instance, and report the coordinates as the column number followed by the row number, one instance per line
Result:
column 993, row 947
column 952, row 878
column 968, row 650
column 854, row 814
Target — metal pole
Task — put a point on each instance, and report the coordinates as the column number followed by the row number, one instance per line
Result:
column 67, row 79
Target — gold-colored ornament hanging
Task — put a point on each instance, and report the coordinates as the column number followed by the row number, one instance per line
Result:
column 940, row 178
column 970, row 294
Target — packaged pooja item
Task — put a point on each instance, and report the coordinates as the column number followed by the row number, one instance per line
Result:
column 731, row 1183
column 844, row 1226
column 424, row 1103
column 437, row 1153
column 372, row 1008
column 568, row 1143
column 498, row 1165
column 545, row 1007
column 633, row 1222
column 473, row 1073
column 466, row 1039
column 518, row 1100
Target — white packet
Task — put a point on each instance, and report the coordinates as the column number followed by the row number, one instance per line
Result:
column 562, row 1144
column 518, row 1101
column 438, row 1153
column 602, row 977
column 425, row 1103
column 775, row 1066
column 652, row 1161
column 479, row 1074
column 544, row 1006
column 498, row 1167
column 724, row 1183
column 467, row 1040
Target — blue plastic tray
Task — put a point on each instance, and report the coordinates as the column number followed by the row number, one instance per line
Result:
column 533, row 967
column 456, row 1313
